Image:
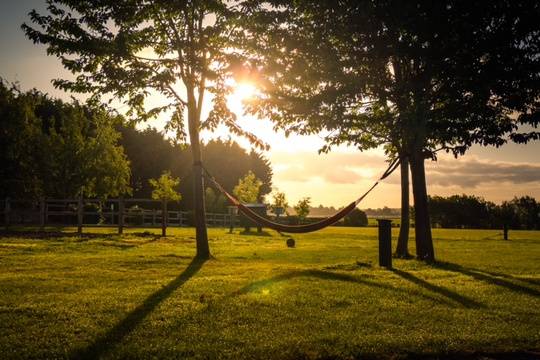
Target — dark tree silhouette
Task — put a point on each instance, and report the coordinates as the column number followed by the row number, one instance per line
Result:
column 150, row 154
column 416, row 76
column 469, row 211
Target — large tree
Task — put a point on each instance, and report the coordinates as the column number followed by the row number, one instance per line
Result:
column 131, row 49
column 416, row 77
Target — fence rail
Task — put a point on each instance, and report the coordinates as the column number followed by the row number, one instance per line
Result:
column 121, row 213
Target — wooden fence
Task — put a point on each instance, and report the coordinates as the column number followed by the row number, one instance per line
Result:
column 119, row 213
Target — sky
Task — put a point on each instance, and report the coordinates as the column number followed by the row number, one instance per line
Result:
column 333, row 179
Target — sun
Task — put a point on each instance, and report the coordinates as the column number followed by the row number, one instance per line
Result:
column 242, row 92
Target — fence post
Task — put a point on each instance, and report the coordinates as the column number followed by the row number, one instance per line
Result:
column 46, row 212
column 385, row 243
column 42, row 214
column 121, row 215
column 505, row 231
column 7, row 210
column 80, row 213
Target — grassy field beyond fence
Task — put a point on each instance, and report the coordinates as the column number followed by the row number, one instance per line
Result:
column 142, row 296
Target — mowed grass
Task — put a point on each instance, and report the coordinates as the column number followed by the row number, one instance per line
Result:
column 141, row 296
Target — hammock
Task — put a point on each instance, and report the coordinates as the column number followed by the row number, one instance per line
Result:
column 261, row 220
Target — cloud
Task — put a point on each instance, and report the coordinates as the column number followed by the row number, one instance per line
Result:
column 352, row 168
column 334, row 168
column 472, row 172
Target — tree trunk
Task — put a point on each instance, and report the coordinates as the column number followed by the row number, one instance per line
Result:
column 424, row 241
column 201, row 236
column 402, row 249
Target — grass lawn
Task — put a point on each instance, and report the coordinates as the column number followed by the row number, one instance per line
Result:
column 142, row 296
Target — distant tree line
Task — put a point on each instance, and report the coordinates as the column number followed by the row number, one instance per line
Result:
column 468, row 211
column 56, row 149
column 50, row 148
column 384, row 211
column 151, row 154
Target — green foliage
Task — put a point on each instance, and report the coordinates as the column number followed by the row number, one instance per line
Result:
column 150, row 154
column 215, row 202
column 133, row 49
column 248, row 188
column 279, row 201
column 470, row 211
column 164, row 187
column 118, row 297
column 411, row 75
column 356, row 218
column 57, row 149
column 229, row 162
column 302, row 208
column 521, row 213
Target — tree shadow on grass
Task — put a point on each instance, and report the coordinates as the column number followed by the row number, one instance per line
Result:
column 531, row 281
column 333, row 276
column 55, row 234
column 254, row 233
column 114, row 336
column 452, row 295
column 114, row 239
column 489, row 278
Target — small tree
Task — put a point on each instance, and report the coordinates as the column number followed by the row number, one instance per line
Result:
column 279, row 201
column 248, row 188
column 302, row 208
column 164, row 187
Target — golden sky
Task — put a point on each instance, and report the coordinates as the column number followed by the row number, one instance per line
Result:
column 329, row 179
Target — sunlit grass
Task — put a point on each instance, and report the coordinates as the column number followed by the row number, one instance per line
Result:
column 142, row 296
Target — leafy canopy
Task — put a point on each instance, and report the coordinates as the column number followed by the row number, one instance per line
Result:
column 415, row 75
column 248, row 188
column 51, row 148
column 302, row 208
column 279, row 201
column 132, row 49
column 164, row 187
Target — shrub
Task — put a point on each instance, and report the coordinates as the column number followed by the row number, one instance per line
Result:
column 356, row 218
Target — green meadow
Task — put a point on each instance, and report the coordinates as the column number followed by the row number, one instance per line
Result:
column 139, row 295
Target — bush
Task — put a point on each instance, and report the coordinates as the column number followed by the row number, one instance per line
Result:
column 356, row 218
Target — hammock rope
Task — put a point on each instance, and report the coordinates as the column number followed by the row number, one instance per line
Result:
column 261, row 220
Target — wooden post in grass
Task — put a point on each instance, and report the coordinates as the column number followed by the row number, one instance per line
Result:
column 164, row 217
column 80, row 209
column 385, row 243
column 42, row 220
column 46, row 212
column 505, row 231
column 121, row 215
